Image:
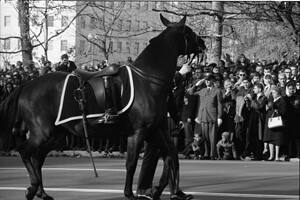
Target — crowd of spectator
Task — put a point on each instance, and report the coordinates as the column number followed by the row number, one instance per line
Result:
column 225, row 108
column 229, row 105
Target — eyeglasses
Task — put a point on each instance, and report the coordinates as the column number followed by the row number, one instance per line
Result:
column 242, row 74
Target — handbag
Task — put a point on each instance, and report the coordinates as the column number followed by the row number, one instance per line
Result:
column 275, row 122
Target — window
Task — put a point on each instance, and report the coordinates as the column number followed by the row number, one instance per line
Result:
column 111, row 46
column 128, row 25
column 128, row 5
column 145, row 25
column 119, row 25
column 137, row 25
column 128, row 47
column 19, row 45
column 64, row 21
column 136, row 47
column 138, row 5
column 101, row 21
column 91, row 46
column 50, row 45
column 145, row 44
column 110, row 4
column 119, row 47
column 92, row 23
column 64, row 45
column 50, row 21
column 156, row 5
column 81, row 46
column 82, row 22
column 7, row 44
column 34, row 19
column 146, row 5
column 6, row 21
column 35, row 42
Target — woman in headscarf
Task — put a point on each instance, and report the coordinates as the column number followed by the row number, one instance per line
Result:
column 276, row 136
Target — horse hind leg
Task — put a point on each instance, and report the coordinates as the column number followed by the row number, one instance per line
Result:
column 134, row 146
column 31, row 191
column 38, row 161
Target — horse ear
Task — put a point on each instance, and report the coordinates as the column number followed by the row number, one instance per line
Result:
column 164, row 20
column 182, row 21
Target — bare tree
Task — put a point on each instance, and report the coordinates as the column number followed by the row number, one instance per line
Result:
column 29, row 22
column 109, row 21
column 243, row 15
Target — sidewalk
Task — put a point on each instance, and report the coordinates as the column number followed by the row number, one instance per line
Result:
column 95, row 154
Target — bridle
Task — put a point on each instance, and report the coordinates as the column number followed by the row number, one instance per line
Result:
column 157, row 80
column 196, row 53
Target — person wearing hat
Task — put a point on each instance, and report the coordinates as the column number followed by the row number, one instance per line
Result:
column 66, row 65
column 209, row 115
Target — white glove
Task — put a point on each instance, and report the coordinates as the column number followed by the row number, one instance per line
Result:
column 185, row 69
column 219, row 122
column 200, row 82
column 180, row 125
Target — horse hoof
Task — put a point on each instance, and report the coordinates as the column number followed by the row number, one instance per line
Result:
column 130, row 197
column 144, row 197
column 155, row 193
column 44, row 196
column 29, row 193
column 181, row 196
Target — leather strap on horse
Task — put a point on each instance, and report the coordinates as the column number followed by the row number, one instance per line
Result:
column 79, row 96
column 149, row 77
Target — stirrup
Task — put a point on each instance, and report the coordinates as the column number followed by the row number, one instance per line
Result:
column 108, row 118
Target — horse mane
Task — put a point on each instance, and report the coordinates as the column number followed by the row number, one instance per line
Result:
column 8, row 112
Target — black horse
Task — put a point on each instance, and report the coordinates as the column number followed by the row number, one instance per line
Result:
column 30, row 113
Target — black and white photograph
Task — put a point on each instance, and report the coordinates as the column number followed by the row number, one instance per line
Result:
column 149, row 100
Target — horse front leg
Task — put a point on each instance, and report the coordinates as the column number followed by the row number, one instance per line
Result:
column 170, row 174
column 149, row 164
column 134, row 145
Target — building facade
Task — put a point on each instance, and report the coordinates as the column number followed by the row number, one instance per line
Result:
column 59, row 17
column 114, row 31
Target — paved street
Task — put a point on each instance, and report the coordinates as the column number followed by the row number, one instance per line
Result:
column 72, row 178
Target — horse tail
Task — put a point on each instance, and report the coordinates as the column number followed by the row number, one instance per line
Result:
column 8, row 113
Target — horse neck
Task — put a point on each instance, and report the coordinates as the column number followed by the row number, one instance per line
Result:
column 158, row 60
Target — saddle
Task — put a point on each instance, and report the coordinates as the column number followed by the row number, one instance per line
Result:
column 99, row 95
column 106, row 74
column 108, row 71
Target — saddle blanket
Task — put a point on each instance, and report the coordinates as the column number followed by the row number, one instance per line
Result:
column 69, row 108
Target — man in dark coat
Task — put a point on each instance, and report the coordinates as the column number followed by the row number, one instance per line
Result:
column 254, row 134
column 293, row 106
column 66, row 65
column 209, row 116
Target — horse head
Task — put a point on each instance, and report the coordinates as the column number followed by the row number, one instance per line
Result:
column 189, row 41
column 159, row 58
